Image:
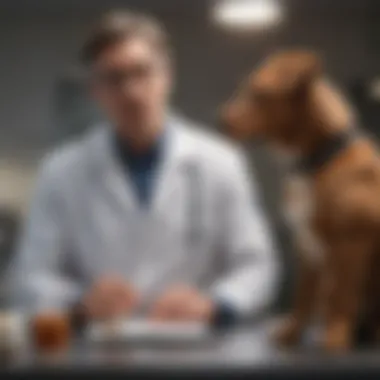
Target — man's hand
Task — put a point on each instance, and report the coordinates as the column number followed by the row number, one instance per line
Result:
column 183, row 303
column 110, row 297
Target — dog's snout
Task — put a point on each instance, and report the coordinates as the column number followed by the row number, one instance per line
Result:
column 221, row 119
column 224, row 124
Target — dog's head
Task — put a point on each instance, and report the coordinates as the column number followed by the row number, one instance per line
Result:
column 274, row 101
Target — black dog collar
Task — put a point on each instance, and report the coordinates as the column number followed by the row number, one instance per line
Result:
column 310, row 164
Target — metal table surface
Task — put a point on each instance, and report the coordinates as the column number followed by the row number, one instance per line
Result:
column 244, row 349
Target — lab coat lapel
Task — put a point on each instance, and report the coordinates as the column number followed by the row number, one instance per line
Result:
column 115, row 180
column 175, row 153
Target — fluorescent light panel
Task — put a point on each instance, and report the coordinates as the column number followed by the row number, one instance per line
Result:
column 247, row 13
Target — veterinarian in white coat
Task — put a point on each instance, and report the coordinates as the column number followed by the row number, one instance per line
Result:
column 188, row 237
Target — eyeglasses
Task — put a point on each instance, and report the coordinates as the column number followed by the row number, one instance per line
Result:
column 116, row 78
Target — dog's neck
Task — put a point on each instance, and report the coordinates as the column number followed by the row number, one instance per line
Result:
column 325, row 152
column 313, row 160
column 328, row 128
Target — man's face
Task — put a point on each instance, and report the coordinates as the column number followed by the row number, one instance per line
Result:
column 131, row 82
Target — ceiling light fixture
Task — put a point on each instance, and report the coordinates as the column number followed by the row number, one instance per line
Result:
column 247, row 14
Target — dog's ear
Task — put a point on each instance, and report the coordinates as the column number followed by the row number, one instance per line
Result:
column 310, row 67
column 307, row 67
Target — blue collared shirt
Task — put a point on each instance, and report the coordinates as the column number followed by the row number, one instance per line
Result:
column 141, row 167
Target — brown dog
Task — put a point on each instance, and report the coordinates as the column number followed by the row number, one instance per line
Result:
column 333, row 201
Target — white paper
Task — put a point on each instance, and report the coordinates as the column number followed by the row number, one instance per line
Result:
column 143, row 329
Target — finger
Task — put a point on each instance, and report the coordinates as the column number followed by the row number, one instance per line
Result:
column 92, row 306
column 124, row 306
column 163, row 310
column 158, row 317
column 157, row 312
column 169, row 305
column 190, row 309
column 102, row 306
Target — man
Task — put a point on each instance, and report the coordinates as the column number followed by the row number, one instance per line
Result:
column 146, row 214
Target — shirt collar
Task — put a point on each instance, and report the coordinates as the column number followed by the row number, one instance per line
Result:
column 128, row 156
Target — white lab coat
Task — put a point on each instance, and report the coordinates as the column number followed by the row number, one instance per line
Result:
column 205, row 226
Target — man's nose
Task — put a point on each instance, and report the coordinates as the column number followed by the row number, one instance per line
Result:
column 133, row 90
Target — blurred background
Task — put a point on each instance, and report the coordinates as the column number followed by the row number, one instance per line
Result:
column 43, row 103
